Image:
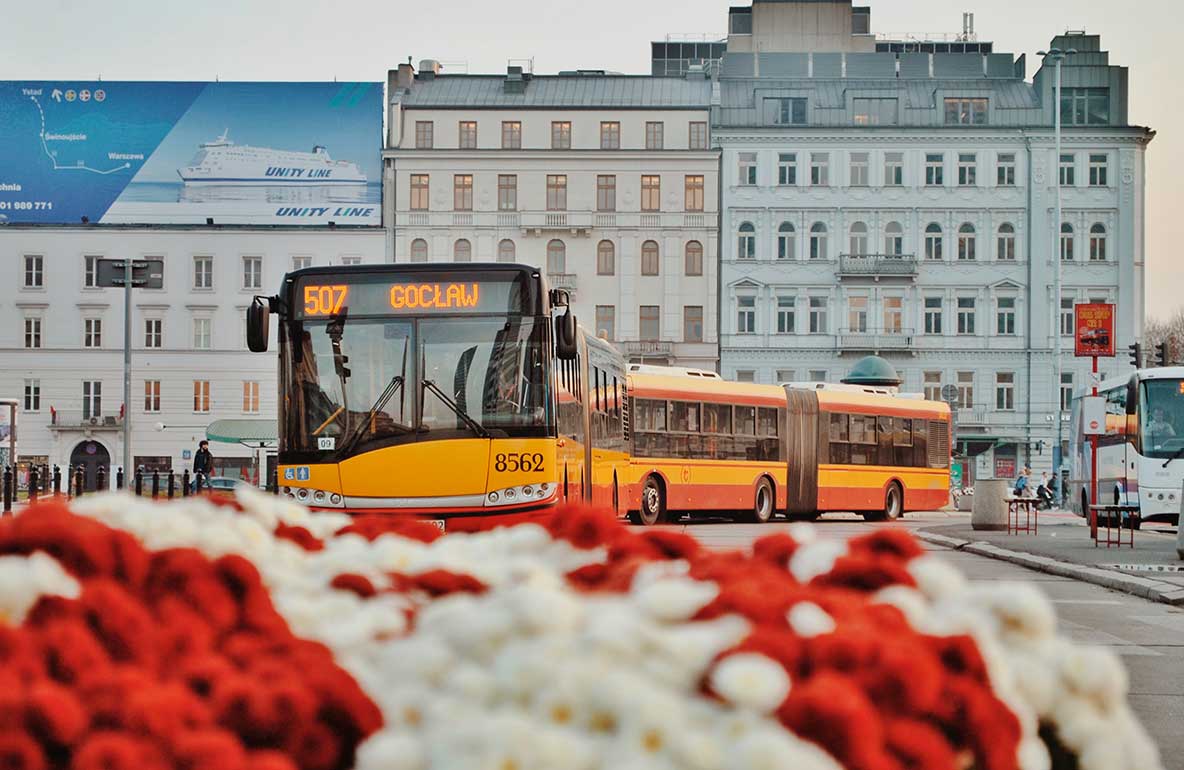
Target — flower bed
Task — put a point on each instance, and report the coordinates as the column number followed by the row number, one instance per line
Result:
column 262, row 637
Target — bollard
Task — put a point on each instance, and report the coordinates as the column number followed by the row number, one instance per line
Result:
column 185, row 483
column 273, row 481
column 7, row 481
column 119, row 478
column 140, row 481
column 79, row 480
column 45, row 479
column 101, row 479
column 32, row 483
column 155, row 484
column 57, row 481
column 172, row 480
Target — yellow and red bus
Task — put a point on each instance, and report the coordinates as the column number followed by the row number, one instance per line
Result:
column 443, row 392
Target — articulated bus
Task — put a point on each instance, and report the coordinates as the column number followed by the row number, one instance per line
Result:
column 441, row 391
column 1141, row 455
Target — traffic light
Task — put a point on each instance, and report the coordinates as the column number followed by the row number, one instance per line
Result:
column 1137, row 356
column 1161, row 354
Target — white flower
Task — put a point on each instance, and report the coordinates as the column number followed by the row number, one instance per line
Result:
column 25, row 579
column 388, row 750
column 751, row 681
column 803, row 533
column 1018, row 608
column 935, row 577
column 1033, row 754
column 776, row 749
column 1095, row 673
column 675, row 598
column 817, row 558
column 807, row 619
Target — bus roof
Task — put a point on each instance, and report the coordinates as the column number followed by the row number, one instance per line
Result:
column 704, row 389
column 876, row 403
column 1157, row 373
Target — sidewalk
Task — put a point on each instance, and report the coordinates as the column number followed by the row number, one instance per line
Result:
column 1063, row 547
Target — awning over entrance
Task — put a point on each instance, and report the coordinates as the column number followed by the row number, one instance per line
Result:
column 246, row 432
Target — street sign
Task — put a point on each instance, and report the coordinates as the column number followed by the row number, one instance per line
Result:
column 949, row 394
column 1093, row 416
column 146, row 273
column 1093, row 330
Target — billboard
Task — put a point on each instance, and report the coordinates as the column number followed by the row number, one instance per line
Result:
column 179, row 153
column 1093, row 326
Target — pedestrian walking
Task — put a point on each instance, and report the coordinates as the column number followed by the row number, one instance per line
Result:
column 203, row 465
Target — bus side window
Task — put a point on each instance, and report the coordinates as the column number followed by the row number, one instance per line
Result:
column 903, row 442
column 887, row 430
column 920, row 445
column 840, row 449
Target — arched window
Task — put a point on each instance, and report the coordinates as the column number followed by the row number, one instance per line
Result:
column 786, row 241
column 462, row 251
column 746, row 243
column 506, row 251
column 1005, row 243
column 556, row 257
column 1097, row 242
column 606, row 258
column 1067, row 242
column 818, row 241
column 858, row 239
column 894, row 239
column 694, row 259
column 419, row 250
column 967, row 243
column 933, row 241
column 649, row 258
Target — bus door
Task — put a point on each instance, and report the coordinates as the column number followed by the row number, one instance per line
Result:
column 802, row 457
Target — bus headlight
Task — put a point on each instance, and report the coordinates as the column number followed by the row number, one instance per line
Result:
column 317, row 497
column 521, row 494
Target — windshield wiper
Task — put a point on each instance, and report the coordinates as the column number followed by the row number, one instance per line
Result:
column 355, row 437
column 475, row 426
column 1179, row 453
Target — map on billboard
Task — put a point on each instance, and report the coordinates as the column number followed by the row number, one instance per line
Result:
column 179, row 153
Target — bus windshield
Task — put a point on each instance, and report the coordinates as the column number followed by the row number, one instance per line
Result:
column 360, row 384
column 1162, row 414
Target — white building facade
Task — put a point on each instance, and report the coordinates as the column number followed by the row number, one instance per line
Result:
column 61, row 338
column 606, row 182
column 902, row 204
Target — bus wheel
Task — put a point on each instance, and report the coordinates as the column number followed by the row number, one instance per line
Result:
column 893, row 502
column 762, row 503
column 653, row 502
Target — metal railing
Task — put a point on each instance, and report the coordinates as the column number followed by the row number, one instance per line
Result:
column 647, row 348
column 877, row 265
column 565, row 281
column 875, row 339
column 79, row 419
column 558, row 220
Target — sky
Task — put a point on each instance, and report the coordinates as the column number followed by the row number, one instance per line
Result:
column 362, row 39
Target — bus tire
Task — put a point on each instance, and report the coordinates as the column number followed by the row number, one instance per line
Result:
column 653, row 502
column 764, row 503
column 893, row 502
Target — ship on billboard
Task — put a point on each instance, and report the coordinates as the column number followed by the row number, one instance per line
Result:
column 222, row 162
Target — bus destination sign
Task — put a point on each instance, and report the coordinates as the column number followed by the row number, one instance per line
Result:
column 330, row 298
column 1093, row 326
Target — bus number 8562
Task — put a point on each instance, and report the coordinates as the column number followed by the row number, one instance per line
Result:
column 515, row 462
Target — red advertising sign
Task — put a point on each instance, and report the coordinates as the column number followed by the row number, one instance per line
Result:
column 1093, row 326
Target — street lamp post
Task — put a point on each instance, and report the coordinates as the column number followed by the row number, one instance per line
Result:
column 1057, row 56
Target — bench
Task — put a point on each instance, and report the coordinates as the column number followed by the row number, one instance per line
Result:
column 1027, row 507
column 1117, row 517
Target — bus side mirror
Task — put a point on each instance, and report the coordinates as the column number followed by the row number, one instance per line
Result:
column 258, row 322
column 566, row 334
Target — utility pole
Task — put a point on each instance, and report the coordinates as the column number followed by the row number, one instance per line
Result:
column 127, row 368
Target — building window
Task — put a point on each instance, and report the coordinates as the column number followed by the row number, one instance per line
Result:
column 818, row 321
column 746, row 242
column 1085, row 106
column 893, row 315
column 1067, row 321
column 747, row 168
column 786, row 241
column 556, row 257
column 32, row 332
column 201, row 396
column 859, row 169
column 606, row 322
column 203, row 273
column 965, row 390
column 202, row 334
column 556, row 192
column 788, row 112
column 694, row 258
column 786, row 375
column 1066, row 391
column 933, row 241
column 423, row 134
column 151, row 396
column 818, row 375
column 468, row 135
column 253, row 273
column 962, row 111
column 859, row 245
column 650, row 323
column 507, row 192
column 933, row 312
column 694, row 192
column 1067, row 168
column 934, row 169
column 1066, row 242
column 745, row 315
column 153, row 333
column 606, row 192
column 610, row 135
column 606, row 258
column 419, row 250
column 786, row 315
column 420, row 197
column 32, row 395
column 351, row 260
column 34, row 271
column 561, row 135
column 745, row 375
column 698, row 136
column 874, row 112
column 462, row 192
column 250, row 398
column 692, row 323
column 1005, row 243
column 649, row 258
column 932, row 386
column 300, row 263
column 820, row 169
column 92, row 399
column 894, row 239
column 462, row 251
column 966, row 315
column 655, row 135
column 1098, row 168
column 787, row 169
column 1005, row 316
column 1005, row 169
column 92, row 333
column 857, row 314
column 894, row 169
column 511, row 135
column 967, row 169
column 818, row 248
column 90, row 272
column 1005, row 391
column 506, row 251
column 967, row 243
column 1097, row 242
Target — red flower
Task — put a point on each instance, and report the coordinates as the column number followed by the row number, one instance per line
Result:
column 54, row 714
column 82, row 545
column 18, row 751
column 905, row 678
column 919, row 746
column 242, row 580
column 897, row 543
column 117, row 751
column 668, row 544
column 359, row 584
column 122, row 624
column 865, row 572
column 960, row 655
column 833, row 712
column 438, row 582
column 374, row 526
column 585, row 527
column 20, row 657
column 71, row 651
column 316, row 747
column 166, row 711
column 270, row 760
column 209, row 749
column 776, row 548
column 107, row 694
column 201, row 673
column 300, row 536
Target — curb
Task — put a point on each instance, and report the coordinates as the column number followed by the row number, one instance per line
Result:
column 1154, row 590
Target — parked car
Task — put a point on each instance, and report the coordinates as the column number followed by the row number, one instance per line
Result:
column 218, row 485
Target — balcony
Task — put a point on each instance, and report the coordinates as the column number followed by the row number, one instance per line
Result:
column 462, row 219
column 575, row 222
column 651, row 221
column 418, row 218
column 651, row 349
column 975, row 416
column 509, row 220
column 875, row 340
column 565, row 281
column 878, row 266
column 78, row 420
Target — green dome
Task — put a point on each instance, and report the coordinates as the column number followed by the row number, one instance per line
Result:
column 873, row 370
